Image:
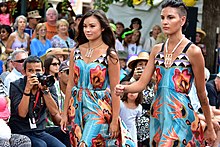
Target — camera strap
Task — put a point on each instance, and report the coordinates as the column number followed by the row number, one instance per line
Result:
column 36, row 99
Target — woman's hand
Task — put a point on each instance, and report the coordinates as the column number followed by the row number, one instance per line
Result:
column 210, row 136
column 114, row 129
column 63, row 123
column 119, row 89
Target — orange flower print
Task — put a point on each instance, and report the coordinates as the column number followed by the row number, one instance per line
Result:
column 182, row 80
column 156, row 138
column 76, row 74
column 178, row 107
column 75, row 134
column 155, row 108
column 171, row 140
column 158, row 77
column 97, row 76
column 71, row 110
column 99, row 141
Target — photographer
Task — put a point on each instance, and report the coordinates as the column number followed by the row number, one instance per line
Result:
column 30, row 97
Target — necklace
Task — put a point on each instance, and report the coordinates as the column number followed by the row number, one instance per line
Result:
column 19, row 35
column 168, row 57
column 90, row 50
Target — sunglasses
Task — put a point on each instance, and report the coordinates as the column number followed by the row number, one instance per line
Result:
column 55, row 64
column 3, row 32
column 66, row 71
column 19, row 61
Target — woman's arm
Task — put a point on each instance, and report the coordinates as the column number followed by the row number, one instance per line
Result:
column 70, row 83
column 146, row 75
column 28, row 43
column 197, row 61
column 9, row 43
column 114, row 77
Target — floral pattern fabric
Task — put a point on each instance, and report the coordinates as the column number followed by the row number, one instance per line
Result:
column 90, row 110
column 173, row 120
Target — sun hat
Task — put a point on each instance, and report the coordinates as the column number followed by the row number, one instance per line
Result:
column 34, row 14
column 134, row 59
column 55, row 51
column 4, row 111
column 203, row 33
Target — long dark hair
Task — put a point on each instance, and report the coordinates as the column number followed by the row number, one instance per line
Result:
column 47, row 63
column 180, row 6
column 107, row 35
column 6, row 5
column 139, row 98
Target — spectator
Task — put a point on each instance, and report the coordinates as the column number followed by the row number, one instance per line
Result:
column 40, row 44
column 6, row 138
column 134, row 46
column 5, row 33
column 33, row 19
column 4, row 14
column 150, row 42
column 17, row 57
column 29, row 101
column 119, row 29
column 136, row 24
column 62, row 40
column 19, row 39
column 213, row 89
column 130, row 110
column 52, row 17
column 61, row 90
column 200, row 35
column 73, row 31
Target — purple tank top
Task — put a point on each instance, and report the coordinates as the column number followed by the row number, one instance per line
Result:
column 18, row 44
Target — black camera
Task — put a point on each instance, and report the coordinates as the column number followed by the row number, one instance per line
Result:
column 47, row 80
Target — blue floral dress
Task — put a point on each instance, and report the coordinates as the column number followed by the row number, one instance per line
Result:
column 173, row 120
column 90, row 108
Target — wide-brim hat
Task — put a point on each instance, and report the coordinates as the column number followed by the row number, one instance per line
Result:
column 55, row 51
column 142, row 56
column 4, row 111
column 203, row 33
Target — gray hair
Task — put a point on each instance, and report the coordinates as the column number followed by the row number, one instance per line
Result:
column 16, row 52
column 52, row 9
column 17, row 19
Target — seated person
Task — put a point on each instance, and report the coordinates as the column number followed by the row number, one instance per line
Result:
column 29, row 101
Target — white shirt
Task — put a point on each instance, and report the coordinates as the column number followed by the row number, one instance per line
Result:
column 149, row 44
column 11, row 77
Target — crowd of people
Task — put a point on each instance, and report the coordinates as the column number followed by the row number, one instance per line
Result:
column 93, row 82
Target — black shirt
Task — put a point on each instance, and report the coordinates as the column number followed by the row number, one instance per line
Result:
column 19, row 124
column 213, row 94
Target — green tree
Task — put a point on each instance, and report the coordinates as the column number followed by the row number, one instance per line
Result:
column 210, row 21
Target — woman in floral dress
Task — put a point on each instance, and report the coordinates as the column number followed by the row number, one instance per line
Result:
column 94, row 65
column 173, row 120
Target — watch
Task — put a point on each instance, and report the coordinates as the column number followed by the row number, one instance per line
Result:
column 27, row 94
column 45, row 91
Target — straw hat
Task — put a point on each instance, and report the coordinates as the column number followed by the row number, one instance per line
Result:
column 55, row 51
column 134, row 59
column 203, row 33
column 34, row 14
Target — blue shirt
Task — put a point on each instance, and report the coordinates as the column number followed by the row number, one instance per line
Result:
column 38, row 48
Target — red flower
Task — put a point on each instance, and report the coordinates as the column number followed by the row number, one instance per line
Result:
column 98, row 141
column 158, row 77
column 182, row 80
column 97, row 76
column 76, row 74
